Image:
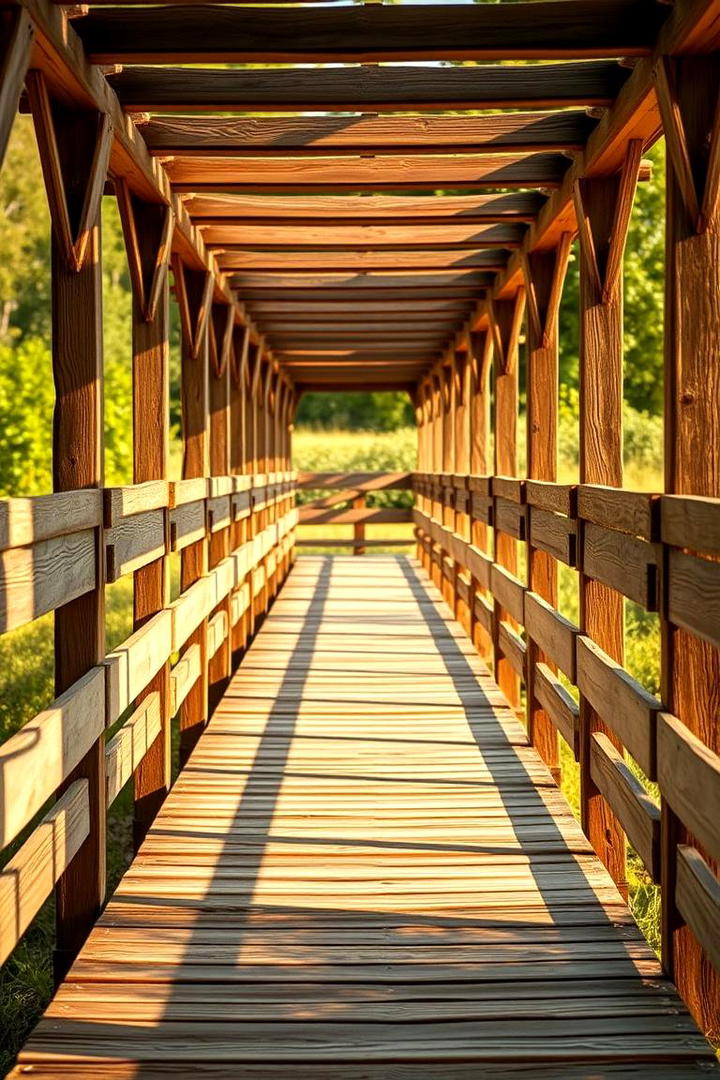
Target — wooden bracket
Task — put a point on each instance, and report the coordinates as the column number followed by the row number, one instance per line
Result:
column 193, row 289
column 16, row 39
column 694, row 151
column 506, row 318
column 481, row 342
column 64, row 134
column 238, row 354
column 601, row 247
column 544, row 273
column 148, row 230
column 222, row 320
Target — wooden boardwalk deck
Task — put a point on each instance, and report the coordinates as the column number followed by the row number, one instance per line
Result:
column 365, row 872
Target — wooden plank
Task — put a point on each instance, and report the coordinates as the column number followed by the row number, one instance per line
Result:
column 553, row 533
column 697, row 895
column 509, row 518
column 553, row 633
column 37, row 758
column 28, row 878
column 629, row 710
column 131, row 666
column 130, row 744
column 217, row 631
column 509, row 591
column 187, row 524
column 556, row 498
column 45, row 576
column 623, row 562
column 628, row 799
column 183, row 676
column 513, row 648
column 368, row 515
column 365, row 89
column 559, row 705
column 525, row 131
column 125, row 502
column 631, row 512
column 693, row 595
column 689, row 521
column 490, row 259
column 572, row 28
column 232, row 236
column 42, row 517
column 188, row 611
column 342, row 211
column 378, row 173
column 689, row 778
column 134, row 542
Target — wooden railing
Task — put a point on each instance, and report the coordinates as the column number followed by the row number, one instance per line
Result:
column 347, row 505
column 56, row 548
column 659, row 551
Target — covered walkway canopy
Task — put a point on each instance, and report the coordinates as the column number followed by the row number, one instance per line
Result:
column 392, row 203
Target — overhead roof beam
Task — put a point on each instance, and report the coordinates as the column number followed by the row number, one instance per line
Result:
column 305, row 136
column 377, row 173
column 372, row 33
column 352, row 237
column 332, row 89
column 335, row 210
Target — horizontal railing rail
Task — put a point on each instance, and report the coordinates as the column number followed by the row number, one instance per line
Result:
column 55, row 548
column 657, row 550
column 347, row 505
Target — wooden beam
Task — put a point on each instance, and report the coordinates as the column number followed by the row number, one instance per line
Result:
column 290, row 262
column 368, row 88
column 378, row 173
column 331, row 211
column 216, row 34
column 351, row 237
column 301, row 309
column 366, row 281
column 307, row 136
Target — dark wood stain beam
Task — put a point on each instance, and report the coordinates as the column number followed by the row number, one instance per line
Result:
column 203, row 135
column 299, row 262
column 368, row 88
column 211, row 34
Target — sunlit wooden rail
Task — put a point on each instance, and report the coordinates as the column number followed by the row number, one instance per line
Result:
column 364, row 868
column 347, row 505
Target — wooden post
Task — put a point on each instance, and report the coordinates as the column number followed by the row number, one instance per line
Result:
column 479, row 409
column 688, row 89
column 77, row 357
column 238, row 347
column 16, row 40
column 603, row 207
column 220, row 341
column 544, row 276
column 193, row 291
column 462, row 465
column 506, row 317
column 147, row 228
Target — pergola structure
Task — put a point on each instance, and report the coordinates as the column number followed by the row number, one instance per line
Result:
column 391, row 204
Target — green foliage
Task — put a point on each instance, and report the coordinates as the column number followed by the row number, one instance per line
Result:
column 375, row 411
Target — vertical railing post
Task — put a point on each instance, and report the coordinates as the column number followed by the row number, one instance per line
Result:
column 193, row 293
column 688, row 90
column 603, row 206
column 479, row 410
column 238, row 347
column 359, row 526
column 147, row 229
column 462, row 464
column 544, row 276
column 72, row 139
column 505, row 317
column 220, row 330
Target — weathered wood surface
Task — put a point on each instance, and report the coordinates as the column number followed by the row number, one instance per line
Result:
column 365, row 869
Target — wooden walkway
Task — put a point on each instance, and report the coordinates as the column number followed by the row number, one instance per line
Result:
column 365, row 872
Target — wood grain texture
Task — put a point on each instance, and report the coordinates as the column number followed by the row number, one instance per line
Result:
column 264, row 136
column 375, row 89
column 212, row 34
column 337, row 882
